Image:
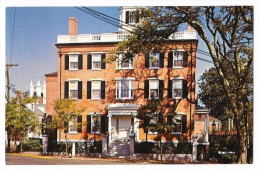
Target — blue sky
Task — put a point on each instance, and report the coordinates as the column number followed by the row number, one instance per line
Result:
column 31, row 37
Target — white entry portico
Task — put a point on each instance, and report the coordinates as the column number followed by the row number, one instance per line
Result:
column 122, row 121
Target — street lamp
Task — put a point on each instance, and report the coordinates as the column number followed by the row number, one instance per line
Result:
column 213, row 138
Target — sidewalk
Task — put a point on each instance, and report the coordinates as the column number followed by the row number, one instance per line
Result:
column 39, row 156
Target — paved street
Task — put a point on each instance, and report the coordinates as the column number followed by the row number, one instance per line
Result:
column 25, row 159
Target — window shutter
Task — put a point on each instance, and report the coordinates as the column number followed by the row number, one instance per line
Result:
column 89, row 61
column 67, row 62
column 161, row 60
column 103, row 64
column 66, row 89
column 161, row 87
column 146, row 60
column 88, row 89
column 146, row 123
column 103, row 89
column 169, row 122
column 184, row 89
column 127, row 17
column 79, row 89
column 170, row 88
column 146, row 89
column 66, row 127
column 184, row 124
column 137, row 16
column 79, row 122
column 80, row 60
column 160, row 118
column 185, row 59
column 170, row 59
column 89, row 124
column 103, row 124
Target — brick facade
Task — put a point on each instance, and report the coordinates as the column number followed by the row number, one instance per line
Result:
column 139, row 73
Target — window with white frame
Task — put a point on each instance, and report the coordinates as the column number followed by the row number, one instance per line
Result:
column 96, row 89
column 177, row 88
column 73, row 89
column 95, row 123
column 123, row 63
column 73, row 125
column 154, row 88
column 177, row 59
column 73, row 62
column 124, row 89
column 132, row 16
column 96, row 61
column 177, row 124
column 154, row 60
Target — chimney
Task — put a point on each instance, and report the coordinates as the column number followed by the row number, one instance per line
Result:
column 73, row 26
column 190, row 28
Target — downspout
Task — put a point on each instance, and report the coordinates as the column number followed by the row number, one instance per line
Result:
column 190, row 88
column 60, row 55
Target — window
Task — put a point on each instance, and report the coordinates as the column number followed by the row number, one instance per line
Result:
column 154, row 88
column 177, row 88
column 132, row 17
column 123, row 63
column 73, row 125
column 73, row 62
column 95, row 123
column 73, row 89
column 96, row 61
column 154, row 60
column 177, row 59
column 177, row 124
column 96, row 89
column 124, row 89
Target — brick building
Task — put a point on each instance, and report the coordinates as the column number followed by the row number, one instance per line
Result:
column 113, row 92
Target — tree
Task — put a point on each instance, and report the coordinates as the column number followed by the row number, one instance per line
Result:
column 227, row 32
column 19, row 120
column 65, row 111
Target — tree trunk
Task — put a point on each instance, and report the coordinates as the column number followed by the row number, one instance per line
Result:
column 242, row 152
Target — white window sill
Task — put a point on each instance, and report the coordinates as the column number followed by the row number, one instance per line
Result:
column 152, row 133
column 154, row 68
column 177, row 67
column 177, row 98
column 74, row 132
column 73, row 99
column 96, row 69
column 95, row 98
column 76, row 69
column 124, row 68
column 178, row 133
column 124, row 98
column 95, row 133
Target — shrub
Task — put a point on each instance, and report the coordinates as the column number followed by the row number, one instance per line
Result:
column 144, row 147
column 32, row 145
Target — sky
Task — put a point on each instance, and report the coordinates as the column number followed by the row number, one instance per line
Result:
column 31, row 34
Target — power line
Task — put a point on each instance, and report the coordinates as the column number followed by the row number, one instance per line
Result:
column 115, row 22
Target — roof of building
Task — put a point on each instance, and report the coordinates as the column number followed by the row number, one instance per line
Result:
column 52, row 74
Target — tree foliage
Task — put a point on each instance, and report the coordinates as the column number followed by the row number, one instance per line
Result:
column 227, row 32
column 19, row 120
column 65, row 111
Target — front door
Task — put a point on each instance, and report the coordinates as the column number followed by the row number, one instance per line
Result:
column 121, row 127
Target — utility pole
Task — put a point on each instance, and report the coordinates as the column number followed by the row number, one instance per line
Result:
column 8, row 87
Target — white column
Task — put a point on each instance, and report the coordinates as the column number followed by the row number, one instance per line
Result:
column 73, row 151
column 109, row 127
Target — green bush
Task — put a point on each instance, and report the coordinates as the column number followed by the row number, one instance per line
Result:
column 32, row 145
column 228, row 158
column 167, row 148
column 144, row 147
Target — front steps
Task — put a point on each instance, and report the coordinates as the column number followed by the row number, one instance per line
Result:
column 119, row 149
